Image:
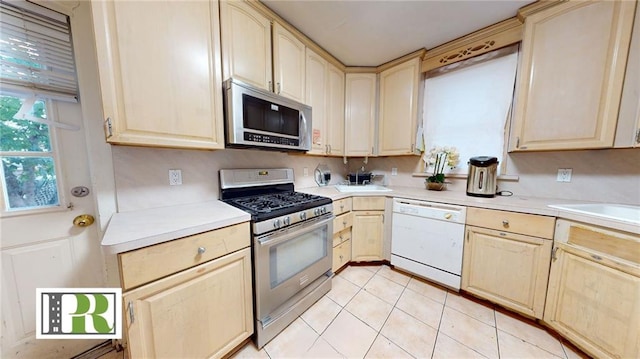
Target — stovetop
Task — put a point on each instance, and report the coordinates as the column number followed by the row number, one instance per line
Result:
column 271, row 205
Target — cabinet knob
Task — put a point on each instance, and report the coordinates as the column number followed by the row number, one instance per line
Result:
column 448, row 216
column 505, row 223
column 201, row 250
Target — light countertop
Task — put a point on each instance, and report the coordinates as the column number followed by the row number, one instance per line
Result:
column 132, row 230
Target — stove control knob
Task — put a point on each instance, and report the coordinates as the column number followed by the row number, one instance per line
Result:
column 323, row 210
column 316, row 211
column 286, row 221
column 303, row 216
column 276, row 223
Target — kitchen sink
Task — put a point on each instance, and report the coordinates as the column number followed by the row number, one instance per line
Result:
column 362, row 188
column 619, row 212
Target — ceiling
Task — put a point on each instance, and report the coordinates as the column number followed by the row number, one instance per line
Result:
column 370, row 33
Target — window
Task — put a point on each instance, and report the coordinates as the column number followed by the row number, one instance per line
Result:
column 37, row 67
column 29, row 179
column 467, row 104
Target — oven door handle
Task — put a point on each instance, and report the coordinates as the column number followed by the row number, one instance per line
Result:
column 278, row 237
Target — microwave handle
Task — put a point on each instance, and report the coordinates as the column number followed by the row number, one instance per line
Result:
column 303, row 124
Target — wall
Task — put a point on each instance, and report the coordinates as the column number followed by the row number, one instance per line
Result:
column 611, row 176
column 142, row 179
column 142, row 173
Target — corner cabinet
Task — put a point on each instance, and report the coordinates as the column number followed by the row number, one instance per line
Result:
column 368, row 229
column 578, row 50
column 360, row 114
column 593, row 298
column 190, row 297
column 398, row 109
column 506, row 258
column 160, row 84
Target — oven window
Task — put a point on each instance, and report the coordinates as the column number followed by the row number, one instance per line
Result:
column 294, row 256
column 262, row 115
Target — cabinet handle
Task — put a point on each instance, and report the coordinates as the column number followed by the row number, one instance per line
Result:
column 344, row 223
column 130, row 310
column 108, row 127
column 341, row 207
column 598, row 258
column 553, row 254
column 505, row 223
column 278, row 87
column 270, row 86
column 329, row 149
column 413, row 148
column 201, row 250
column 638, row 136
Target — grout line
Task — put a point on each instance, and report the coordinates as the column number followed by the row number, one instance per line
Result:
column 497, row 337
column 435, row 342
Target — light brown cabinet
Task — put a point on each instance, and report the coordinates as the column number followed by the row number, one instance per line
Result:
column 368, row 229
column 398, row 109
column 317, row 99
column 503, row 262
column 342, row 233
column 360, row 114
column 594, row 289
column 160, row 84
column 578, row 50
column 335, row 110
column 628, row 129
column 247, row 53
column 170, row 288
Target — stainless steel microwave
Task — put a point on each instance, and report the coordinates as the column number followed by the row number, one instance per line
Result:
column 262, row 119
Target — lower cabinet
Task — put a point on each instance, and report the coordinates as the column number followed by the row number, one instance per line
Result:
column 341, row 249
column 507, row 269
column 594, row 290
column 202, row 312
column 368, row 229
column 506, row 258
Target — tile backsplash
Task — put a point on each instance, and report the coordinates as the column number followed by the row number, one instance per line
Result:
column 142, row 174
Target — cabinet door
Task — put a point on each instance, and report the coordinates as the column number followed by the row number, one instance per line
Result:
column 288, row 64
column 360, row 114
column 317, row 99
column 341, row 255
column 367, row 235
column 578, row 50
column 398, row 109
column 160, row 74
column 202, row 312
column 594, row 302
column 335, row 110
column 508, row 269
column 628, row 129
column 246, row 44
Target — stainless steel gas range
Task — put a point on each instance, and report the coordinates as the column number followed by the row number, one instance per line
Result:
column 291, row 244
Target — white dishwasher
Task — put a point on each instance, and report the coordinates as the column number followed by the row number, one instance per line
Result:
column 427, row 240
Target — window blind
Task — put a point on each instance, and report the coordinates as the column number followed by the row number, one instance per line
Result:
column 36, row 52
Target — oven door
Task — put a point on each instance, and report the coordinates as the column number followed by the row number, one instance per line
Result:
column 288, row 260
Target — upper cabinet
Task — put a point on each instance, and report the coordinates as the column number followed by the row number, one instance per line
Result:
column 160, row 84
column 360, row 114
column 398, row 108
column 335, row 110
column 247, row 55
column 628, row 130
column 571, row 75
column 246, row 44
column 325, row 95
column 289, row 64
column 316, row 98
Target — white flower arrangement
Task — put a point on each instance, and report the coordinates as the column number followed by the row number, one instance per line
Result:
column 438, row 158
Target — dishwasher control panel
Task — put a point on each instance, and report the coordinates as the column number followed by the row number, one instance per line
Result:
column 433, row 210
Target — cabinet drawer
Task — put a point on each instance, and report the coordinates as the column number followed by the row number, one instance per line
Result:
column 342, row 222
column 341, row 236
column 368, row 203
column 341, row 206
column 341, row 255
column 522, row 223
column 147, row 264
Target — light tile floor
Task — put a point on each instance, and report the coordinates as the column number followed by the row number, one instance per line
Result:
column 378, row 312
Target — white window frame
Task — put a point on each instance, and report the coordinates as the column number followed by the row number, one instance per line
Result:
column 52, row 114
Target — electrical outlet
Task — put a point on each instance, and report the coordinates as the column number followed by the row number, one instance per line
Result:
column 175, row 177
column 394, row 171
column 564, row 175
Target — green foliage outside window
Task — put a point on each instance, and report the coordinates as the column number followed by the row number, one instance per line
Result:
column 28, row 166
